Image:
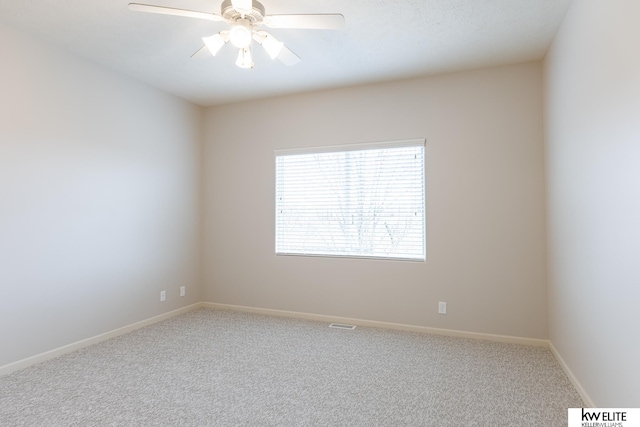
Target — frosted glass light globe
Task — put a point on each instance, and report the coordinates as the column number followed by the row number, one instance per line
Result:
column 240, row 36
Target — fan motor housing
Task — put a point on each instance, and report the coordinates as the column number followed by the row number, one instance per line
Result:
column 231, row 15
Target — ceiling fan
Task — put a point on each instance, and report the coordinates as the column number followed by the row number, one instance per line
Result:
column 245, row 17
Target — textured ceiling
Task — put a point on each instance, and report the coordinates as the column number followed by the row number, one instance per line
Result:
column 383, row 40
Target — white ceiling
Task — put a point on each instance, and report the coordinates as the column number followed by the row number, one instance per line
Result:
column 383, row 40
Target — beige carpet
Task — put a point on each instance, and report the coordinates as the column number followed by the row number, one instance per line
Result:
column 224, row 368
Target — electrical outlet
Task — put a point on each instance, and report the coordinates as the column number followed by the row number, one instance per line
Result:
column 442, row 307
column 182, row 291
column 163, row 295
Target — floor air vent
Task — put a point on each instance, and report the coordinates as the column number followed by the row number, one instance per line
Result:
column 342, row 326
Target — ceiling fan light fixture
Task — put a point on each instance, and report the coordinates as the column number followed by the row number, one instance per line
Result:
column 272, row 46
column 240, row 34
column 244, row 58
column 214, row 43
column 245, row 18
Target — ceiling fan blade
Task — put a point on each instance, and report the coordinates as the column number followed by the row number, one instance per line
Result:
column 269, row 43
column 139, row 7
column 202, row 53
column 330, row 21
column 287, row 57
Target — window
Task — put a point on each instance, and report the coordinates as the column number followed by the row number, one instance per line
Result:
column 364, row 200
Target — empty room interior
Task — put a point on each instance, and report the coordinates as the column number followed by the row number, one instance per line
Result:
column 138, row 185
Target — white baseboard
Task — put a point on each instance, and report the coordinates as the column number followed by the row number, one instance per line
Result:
column 581, row 391
column 24, row 363
column 383, row 325
column 56, row 352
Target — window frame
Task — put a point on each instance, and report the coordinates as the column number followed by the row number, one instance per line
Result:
column 419, row 142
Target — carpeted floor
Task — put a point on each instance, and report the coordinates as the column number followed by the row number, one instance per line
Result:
column 225, row 368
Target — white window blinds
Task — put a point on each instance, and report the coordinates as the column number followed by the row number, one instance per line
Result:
column 355, row 201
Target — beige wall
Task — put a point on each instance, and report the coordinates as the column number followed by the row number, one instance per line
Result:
column 592, row 87
column 99, row 199
column 486, row 248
